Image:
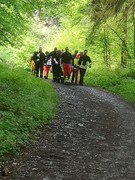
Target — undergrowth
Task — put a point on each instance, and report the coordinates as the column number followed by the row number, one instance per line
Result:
column 26, row 102
column 120, row 81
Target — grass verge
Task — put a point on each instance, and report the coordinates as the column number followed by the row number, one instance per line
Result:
column 26, row 102
column 120, row 81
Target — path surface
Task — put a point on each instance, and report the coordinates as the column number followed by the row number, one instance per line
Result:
column 92, row 138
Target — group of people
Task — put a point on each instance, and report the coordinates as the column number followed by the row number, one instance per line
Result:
column 62, row 64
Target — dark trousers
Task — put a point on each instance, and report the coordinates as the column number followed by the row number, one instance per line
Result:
column 39, row 69
column 56, row 72
column 73, row 76
column 82, row 73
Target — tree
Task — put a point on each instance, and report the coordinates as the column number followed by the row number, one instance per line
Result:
column 124, row 37
column 100, row 13
column 106, row 46
column 14, row 18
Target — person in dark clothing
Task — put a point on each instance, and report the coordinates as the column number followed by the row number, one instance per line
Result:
column 66, row 61
column 60, row 75
column 55, row 56
column 39, row 58
column 84, row 62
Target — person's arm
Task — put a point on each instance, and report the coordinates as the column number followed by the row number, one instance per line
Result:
column 90, row 62
column 79, row 62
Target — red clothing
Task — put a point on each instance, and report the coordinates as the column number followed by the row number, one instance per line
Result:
column 67, row 69
column 46, row 70
column 75, row 72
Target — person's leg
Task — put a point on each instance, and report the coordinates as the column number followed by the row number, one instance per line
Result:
column 37, row 69
column 57, row 73
column 76, row 76
column 68, row 71
column 80, row 81
column 81, row 76
column 47, row 71
column 82, row 73
column 32, row 66
column 34, row 69
column 61, row 75
column 41, row 70
column 54, row 72
column 65, row 70
column 73, row 76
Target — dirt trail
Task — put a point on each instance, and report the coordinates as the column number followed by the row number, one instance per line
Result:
column 91, row 138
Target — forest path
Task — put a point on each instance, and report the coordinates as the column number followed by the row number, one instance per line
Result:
column 91, row 138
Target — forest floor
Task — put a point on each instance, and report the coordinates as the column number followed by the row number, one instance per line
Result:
column 91, row 138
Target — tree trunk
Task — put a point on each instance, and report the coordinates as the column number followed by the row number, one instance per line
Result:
column 107, row 54
column 124, row 38
column 105, row 48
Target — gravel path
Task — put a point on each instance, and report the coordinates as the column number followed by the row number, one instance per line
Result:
column 91, row 138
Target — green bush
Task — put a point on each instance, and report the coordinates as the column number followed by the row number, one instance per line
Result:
column 131, row 74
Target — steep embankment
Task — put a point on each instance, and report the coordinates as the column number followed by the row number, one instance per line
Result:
column 25, row 103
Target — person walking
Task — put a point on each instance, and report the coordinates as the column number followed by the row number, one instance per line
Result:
column 32, row 65
column 47, row 65
column 66, row 60
column 55, row 56
column 84, row 62
column 74, row 69
column 39, row 58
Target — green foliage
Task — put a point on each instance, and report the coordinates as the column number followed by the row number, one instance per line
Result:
column 71, row 37
column 111, row 16
column 19, row 55
column 71, row 31
column 14, row 18
column 126, row 89
column 25, row 103
column 121, row 81
column 131, row 74
column 13, row 56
